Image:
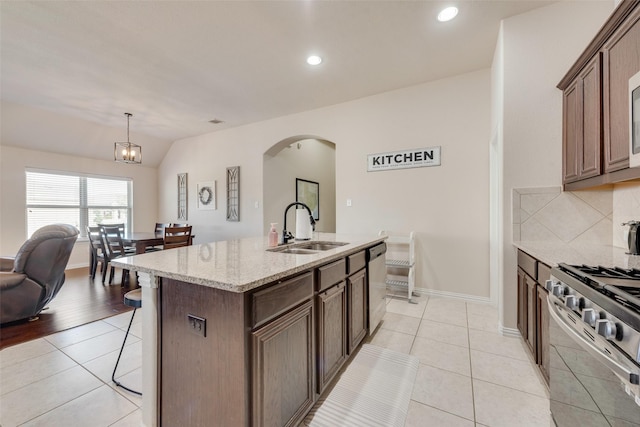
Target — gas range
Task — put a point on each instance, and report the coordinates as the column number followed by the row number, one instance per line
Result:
column 615, row 290
column 603, row 305
column 599, row 309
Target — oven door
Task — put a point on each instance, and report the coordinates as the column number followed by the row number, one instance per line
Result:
column 587, row 385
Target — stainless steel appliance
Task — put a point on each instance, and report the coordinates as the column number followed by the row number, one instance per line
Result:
column 377, row 273
column 633, row 239
column 594, row 333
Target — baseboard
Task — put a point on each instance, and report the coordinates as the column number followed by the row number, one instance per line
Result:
column 453, row 295
column 509, row 332
column 78, row 265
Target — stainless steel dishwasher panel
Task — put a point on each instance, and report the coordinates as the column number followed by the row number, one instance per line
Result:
column 377, row 273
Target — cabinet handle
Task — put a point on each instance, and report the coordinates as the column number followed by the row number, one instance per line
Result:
column 334, row 289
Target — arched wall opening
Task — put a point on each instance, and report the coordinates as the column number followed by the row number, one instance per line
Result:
column 307, row 157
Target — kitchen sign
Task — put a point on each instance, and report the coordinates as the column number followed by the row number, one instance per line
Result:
column 415, row 158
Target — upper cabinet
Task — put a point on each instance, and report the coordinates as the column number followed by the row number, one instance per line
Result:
column 582, row 135
column 596, row 104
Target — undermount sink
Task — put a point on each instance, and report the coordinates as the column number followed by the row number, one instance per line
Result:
column 307, row 248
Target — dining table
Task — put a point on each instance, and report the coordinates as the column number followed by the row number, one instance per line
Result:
column 143, row 239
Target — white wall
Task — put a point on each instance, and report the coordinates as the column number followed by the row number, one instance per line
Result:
column 308, row 159
column 536, row 50
column 13, row 161
column 448, row 206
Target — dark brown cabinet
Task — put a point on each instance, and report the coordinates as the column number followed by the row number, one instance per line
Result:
column 533, row 314
column 595, row 109
column 357, row 296
column 621, row 60
column 263, row 357
column 332, row 333
column 283, row 369
column 542, row 333
column 283, row 347
column 582, row 139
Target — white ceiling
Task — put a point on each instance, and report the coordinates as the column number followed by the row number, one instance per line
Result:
column 175, row 65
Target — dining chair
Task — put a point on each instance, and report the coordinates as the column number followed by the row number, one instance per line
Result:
column 122, row 229
column 160, row 226
column 175, row 237
column 96, row 251
column 114, row 248
column 178, row 224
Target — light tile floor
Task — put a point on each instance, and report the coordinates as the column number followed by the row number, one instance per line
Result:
column 469, row 374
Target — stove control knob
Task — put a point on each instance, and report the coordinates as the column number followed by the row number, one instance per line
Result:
column 558, row 290
column 606, row 328
column 589, row 316
column 570, row 302
column 549, row 285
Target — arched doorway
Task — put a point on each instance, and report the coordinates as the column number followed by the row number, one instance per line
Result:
column 307, row 157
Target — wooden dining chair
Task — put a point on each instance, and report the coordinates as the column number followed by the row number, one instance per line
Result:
column 122, row 229
column 96, row 251
column 114, row 248
column 160, row 226
column 175, row 237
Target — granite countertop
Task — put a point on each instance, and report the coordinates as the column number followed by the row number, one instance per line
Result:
column 239, row 265
column 554, row 253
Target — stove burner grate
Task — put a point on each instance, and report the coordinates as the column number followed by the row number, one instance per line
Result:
column 613, row 272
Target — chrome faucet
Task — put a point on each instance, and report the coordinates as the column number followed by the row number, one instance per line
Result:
column 286, row 235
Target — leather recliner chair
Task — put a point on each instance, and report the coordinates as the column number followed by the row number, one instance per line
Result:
column 30, row 280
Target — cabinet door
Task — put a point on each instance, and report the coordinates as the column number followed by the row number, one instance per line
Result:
column 532, row 298
column 332, row 333
column 582, row 124
column 571, row 130
column 620, row 62
column 590, row 155
column 542, row 336
column 357, row 294
column 522, row 303
column 284, row 369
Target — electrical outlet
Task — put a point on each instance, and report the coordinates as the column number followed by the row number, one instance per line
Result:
column 349, row 202
column 197, row 325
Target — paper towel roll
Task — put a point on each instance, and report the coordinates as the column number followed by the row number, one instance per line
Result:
column 303, row 225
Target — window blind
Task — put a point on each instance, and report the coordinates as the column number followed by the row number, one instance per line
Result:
column 79, row 200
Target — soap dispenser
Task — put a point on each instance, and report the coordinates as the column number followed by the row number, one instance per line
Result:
column 273, row 235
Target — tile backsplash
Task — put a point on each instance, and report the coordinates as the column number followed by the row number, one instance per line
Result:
column 626, row 207
column 576, row 217
column 550, row 214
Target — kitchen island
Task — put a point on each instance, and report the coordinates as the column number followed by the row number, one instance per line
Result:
column 235, row 333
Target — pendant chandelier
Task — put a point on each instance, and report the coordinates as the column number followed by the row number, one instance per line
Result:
column 127, row 152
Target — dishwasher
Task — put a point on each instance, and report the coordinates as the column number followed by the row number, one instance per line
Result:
column 377, row 273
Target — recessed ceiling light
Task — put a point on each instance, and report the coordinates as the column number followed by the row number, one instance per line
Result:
column 447, row 14
column 216, row 121
column 314, row 60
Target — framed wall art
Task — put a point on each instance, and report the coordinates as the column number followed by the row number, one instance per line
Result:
column 182, row 197
column 233, row 193
column 308, row 192
column 207, row 195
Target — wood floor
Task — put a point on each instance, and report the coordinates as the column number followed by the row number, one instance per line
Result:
column 78, row 302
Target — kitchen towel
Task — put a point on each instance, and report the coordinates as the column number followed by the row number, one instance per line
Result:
column 374, row 390
column 303, row 225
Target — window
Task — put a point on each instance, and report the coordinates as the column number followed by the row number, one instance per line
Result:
column 79, row 200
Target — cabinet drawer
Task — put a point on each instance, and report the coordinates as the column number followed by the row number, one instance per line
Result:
column 277, row 299
column 528, row 264
column 355, row 262
column 331, row 274
column 544, row 273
